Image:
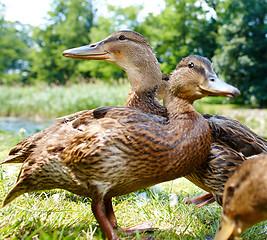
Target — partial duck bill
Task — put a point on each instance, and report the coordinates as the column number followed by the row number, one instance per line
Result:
column 216, row 87
column 226, row 229
column 94, row 51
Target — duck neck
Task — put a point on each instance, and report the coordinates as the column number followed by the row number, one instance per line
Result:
column 189, row 136
column 178, row 107
column 145, row 82
column 146, row 101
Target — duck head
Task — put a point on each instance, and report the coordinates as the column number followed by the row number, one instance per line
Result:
column 128, row 50
column 244, row 198
column 194, row 78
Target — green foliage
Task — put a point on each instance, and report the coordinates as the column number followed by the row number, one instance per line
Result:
column 242, row 58
column 50, row 102
column 69, row 26
column 182, row 28
column 232, row 33
column 14, row 47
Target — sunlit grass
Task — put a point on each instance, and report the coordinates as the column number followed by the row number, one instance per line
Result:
column 43, row 102
column 47, row 102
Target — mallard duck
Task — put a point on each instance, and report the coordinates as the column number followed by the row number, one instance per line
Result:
column 101, row 156
column 230, row 138
column 131, row 51
column 244, row 198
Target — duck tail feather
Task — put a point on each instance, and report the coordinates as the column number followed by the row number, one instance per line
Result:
column 15, row 192
column 13, row 159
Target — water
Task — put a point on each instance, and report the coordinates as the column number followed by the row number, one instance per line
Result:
column 18, row 125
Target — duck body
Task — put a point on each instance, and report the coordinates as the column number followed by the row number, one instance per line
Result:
column 112, row 151
column 244, row 198
column 102, row 148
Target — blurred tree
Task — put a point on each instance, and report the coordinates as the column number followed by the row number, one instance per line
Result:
column 14, row 43
column 119, row 18
column 232, row 32
column 184, row 27
column 242, row 55
column 69, row 25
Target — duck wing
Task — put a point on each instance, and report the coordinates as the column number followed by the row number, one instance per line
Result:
column 236, row 135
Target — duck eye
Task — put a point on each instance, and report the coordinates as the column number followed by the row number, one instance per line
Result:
column 230, row 191
column 190, row 65
column 122, row 37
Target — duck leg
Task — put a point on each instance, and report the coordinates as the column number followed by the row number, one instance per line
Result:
column 99, row 211
column 110, row 212
column 201, row 200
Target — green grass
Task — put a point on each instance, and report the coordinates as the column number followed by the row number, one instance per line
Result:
column 49, row 102
column 58, row 214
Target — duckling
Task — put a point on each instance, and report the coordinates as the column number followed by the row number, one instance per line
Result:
column 244, row 198
column 103, row 156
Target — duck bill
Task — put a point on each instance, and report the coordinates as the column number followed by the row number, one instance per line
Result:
column 94, row 51
column 216, row 87
column 226, row 229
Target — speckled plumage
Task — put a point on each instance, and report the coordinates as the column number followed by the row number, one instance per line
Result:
column 80, row 146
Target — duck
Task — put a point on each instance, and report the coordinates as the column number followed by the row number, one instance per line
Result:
column 218, row 148
column 244, row 198
column 232, row 142
column 132, row 52
column 103, row 156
